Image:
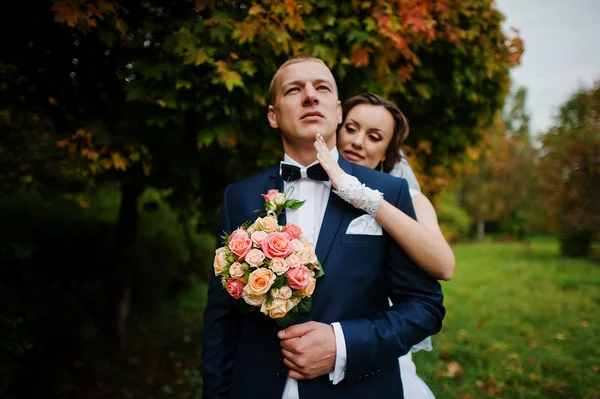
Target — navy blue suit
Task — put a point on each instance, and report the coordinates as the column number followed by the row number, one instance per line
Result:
column 242, row 355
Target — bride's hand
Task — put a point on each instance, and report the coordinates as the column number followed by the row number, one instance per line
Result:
column 327, row 162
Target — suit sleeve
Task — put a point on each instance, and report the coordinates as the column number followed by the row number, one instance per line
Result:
column 222, row 322
column 416, row 314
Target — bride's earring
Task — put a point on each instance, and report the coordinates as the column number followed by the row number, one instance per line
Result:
column 381, row 166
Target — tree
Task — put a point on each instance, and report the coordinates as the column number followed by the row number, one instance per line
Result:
column 570, row 171
column 500, row 185
column 174, row 95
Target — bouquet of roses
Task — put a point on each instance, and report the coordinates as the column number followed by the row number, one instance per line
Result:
column 270, row 267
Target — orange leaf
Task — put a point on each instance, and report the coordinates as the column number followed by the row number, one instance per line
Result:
column 67, row 11
column 360, row 57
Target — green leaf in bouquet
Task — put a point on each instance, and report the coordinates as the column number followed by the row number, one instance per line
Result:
column 319, row 272
column 288, row 320
column 293, row 204
column 305, row 305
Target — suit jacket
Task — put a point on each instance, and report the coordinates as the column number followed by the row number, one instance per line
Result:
column 242, row 355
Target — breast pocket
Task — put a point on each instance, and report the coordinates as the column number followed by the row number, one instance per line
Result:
column 361, row 239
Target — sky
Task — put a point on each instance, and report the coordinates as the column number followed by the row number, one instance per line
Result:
column 562, row 51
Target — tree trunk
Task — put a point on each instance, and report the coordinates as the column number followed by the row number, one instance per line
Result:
column 480, row 230
column 123, row 262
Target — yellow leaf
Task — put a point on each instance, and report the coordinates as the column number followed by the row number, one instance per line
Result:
column 256, row 9
column 118, row 162
column 52, row 100
column 134, row 156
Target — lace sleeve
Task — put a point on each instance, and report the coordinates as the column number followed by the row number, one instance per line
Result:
column 358, row 195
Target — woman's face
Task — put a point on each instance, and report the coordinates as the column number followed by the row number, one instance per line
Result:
column 365, row 135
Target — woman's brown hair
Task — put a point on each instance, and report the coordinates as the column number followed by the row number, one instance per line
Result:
column 392, row 153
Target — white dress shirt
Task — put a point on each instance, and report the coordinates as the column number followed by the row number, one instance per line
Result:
column 309, row 218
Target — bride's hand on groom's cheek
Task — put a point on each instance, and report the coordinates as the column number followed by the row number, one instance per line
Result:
column 308, row 349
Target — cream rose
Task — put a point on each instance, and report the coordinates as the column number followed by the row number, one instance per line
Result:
column 251, row 299
column 279, row 266
column 220, row 260
column 258, row 236
column 308, row 253
column 285, row 292
column 292, row 261
column 279, row 199
column 260, row 281
column 270, row 224
column 309, row 289
column 236, row 270
column 275, row 309
column 297, row 246
column 255, row 257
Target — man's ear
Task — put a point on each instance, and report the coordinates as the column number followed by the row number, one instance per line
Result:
column 272, row 117
column 339, row 112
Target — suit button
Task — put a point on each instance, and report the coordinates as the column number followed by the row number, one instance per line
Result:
column 281, row 373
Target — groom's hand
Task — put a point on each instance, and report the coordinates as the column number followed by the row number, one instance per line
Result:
column 308, row 349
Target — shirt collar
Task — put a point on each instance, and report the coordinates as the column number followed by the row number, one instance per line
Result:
column 334, row 154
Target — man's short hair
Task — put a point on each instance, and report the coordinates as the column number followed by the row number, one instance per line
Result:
column 294, row 60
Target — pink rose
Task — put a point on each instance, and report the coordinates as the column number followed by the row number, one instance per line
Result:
column 279, row 266
column 255, row 257
column 240, row 245
column 258, row 236
column 276, row 245
column 238, row 232
column 270, row 195
column 298, row 277
column 235, row 288
column 293, row 230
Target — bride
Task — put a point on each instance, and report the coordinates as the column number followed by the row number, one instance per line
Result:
column 371, row 133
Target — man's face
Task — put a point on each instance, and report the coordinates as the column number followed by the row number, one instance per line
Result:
column 306, row 103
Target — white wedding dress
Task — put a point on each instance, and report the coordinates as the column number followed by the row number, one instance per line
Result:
column 414, row 387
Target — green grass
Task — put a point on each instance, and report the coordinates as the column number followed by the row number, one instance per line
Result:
column 519, row 325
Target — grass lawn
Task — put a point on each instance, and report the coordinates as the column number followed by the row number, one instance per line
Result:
column 518, row 325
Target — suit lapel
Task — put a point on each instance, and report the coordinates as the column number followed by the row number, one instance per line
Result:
column 331, row 219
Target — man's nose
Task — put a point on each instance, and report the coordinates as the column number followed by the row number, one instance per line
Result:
column 310, row 97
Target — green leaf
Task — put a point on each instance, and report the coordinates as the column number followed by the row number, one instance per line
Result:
column 107, row 36
column 305, row 305
column 293, row 204
column 288, row 320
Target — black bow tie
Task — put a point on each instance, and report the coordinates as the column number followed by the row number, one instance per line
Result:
column 291, row 172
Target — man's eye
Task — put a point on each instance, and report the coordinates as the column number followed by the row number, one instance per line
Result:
column 323, row 87
column 291, row 90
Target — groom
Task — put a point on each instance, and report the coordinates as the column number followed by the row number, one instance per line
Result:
column 348, row 345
